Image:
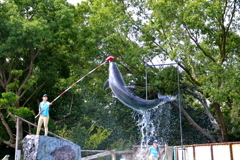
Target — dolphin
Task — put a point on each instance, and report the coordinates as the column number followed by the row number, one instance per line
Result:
column 121, row 91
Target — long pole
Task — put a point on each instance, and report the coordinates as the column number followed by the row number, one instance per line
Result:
column 107, row 60
column 146, row 83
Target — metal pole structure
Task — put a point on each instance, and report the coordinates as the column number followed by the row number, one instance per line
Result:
column 180, row 112
column 16, row 143
column 146, row 72
column 107, row 60
column 146, row 83
column 179, row 100
column 113, row 155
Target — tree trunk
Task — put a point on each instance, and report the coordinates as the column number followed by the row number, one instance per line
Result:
column 213, row 121
column 194, row 124
column 11, row 141
column 223, row 126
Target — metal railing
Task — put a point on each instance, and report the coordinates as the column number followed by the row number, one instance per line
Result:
column 17, row 157
column 104, row 153
column 98, row 155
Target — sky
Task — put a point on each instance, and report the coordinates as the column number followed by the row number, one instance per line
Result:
column 74, row 1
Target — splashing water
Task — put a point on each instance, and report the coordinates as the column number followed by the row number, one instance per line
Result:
column 153, row 124
column 146, row 126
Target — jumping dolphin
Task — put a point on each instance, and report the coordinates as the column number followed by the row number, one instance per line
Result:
column 118, row 87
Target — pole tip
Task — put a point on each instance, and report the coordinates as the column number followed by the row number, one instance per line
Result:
column 109, row 58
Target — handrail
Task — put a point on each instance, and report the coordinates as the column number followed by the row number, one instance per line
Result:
column 17, row 130
column 118, row 152
column 104, row 152
column 41, row 128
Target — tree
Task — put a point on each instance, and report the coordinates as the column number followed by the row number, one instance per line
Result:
column 202, row 37
column 69, row 43
column 35, row 37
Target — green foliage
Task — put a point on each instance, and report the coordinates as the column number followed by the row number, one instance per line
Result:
column 23, row 112
column 64, row 132
column 79, row 135
column 192, row 33
column 46, row 46
column 8, row 98
column 122, row 144
column 234, row 121
column 98, row 136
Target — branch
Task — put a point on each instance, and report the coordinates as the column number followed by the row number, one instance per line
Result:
column 34, row 92
column 232, row 15
column 11, row 115
column 2, row 76
column 67, row 115
column 7, row 128
column 227, row 30
column 7, row 143
column 30, row 69
column 189, row 74
column 208, row 113
column 198, row 45
column 193, row 123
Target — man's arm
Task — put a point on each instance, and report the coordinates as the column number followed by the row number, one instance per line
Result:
column 159, row 157
column 39, row 109
column 160, row 152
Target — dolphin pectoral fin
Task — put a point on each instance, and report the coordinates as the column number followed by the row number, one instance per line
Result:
column 130, row 89
column 106, row 84
column 165, row 98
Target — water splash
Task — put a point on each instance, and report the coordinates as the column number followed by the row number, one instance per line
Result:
column 153, row 124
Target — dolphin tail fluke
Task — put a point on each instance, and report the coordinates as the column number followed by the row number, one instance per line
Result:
column 165, row 98
column 106, row 84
